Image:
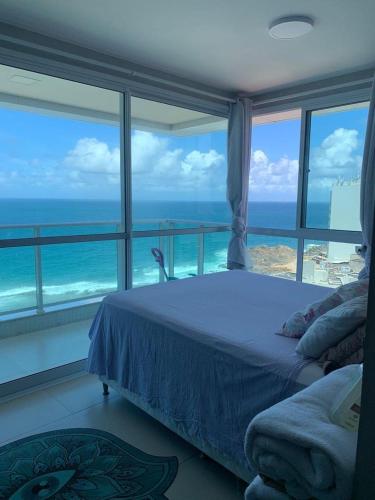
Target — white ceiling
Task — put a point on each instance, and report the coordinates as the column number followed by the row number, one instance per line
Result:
column 222, row 43
column 30, row 91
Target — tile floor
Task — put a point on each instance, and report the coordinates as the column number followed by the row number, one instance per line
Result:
column 79, row 403
column 36, row 352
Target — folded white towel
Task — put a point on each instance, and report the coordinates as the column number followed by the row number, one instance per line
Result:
column 296, row 443
column 260, row 491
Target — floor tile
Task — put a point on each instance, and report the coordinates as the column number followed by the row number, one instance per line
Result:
column 42, row 350
column 204, row 479
column 27, row 413
column 79, row 403
column 129, row 423
column 79, row 393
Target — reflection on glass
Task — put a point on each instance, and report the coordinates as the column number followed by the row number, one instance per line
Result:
column 79, row 271
column 337, row 138
column 273, row 179
column 17, row 279
column 274, row 256
column 330, row 263
column 179, row 167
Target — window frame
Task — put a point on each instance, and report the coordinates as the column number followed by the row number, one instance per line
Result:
column 301, row 233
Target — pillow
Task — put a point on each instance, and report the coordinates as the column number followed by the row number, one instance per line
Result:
column 300, row 321
column 353, row 289
column 332, row 327
column 345, row 349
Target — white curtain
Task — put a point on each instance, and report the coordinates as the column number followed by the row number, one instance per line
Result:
column 368, row 188
column 239, row 145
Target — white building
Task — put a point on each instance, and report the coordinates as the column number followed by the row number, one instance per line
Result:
column 344, row 197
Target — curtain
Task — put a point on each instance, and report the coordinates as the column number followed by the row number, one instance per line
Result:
column 368, row 188
column 239, row 139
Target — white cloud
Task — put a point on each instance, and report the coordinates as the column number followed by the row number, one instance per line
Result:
column 335, row 158
column 158, row 168
column 93, row 156
column 269, row 177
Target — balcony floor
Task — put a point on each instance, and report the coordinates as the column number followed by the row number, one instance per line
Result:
column 30, row 353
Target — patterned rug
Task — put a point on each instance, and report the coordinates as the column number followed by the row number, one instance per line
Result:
column 76, row 464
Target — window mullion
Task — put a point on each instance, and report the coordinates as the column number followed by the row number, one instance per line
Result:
column 127, row 190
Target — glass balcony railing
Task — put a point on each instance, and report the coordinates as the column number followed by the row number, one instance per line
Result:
column 36, row 278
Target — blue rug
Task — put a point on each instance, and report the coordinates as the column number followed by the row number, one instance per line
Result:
column 77, row 464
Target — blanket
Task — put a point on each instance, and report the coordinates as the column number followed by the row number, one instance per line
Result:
column 295, row 443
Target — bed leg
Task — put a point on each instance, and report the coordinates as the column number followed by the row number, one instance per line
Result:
column 105, row 389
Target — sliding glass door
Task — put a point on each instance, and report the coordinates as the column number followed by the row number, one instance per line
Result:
column 61, row 215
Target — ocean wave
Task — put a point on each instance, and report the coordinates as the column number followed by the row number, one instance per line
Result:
column 78, row 287
column 24, row 296
column 22, row 290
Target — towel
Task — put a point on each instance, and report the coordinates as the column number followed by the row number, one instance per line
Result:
column 295, row 443
column 258, row 490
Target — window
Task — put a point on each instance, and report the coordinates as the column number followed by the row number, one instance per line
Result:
column 273, row 187
column 336, row 143
column 273, row 182
column 179, row 171
column 61, row 214
column 307, row 228
column 179, row 167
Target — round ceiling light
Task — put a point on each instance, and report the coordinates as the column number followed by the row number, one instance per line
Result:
column 290, row 27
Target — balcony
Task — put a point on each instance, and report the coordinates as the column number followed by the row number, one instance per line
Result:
column 50, row 293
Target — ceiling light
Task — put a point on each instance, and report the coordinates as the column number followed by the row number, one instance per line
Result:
column 286, row 28
column 23, row 80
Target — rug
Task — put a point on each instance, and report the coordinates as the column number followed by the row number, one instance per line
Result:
column 77, row 464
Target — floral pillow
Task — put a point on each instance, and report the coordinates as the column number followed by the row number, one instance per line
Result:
column 300, row 321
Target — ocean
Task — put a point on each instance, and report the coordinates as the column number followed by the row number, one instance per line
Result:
column 81, row 270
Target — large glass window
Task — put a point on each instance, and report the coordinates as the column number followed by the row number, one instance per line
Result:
column 273, row 182
column 179, row 167
column 60, row 179
column 336, row 143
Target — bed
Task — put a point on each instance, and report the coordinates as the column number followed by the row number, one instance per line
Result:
column 200, row 354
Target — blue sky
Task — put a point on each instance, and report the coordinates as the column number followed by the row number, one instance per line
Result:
column 55, row 157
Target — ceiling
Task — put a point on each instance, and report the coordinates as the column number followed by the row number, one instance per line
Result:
column 222, row 43
column 30, row 91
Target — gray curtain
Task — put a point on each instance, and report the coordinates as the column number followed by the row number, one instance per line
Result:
column 239, row 145
column 368, row 188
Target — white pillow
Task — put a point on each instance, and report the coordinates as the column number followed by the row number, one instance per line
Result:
column 332, row 327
